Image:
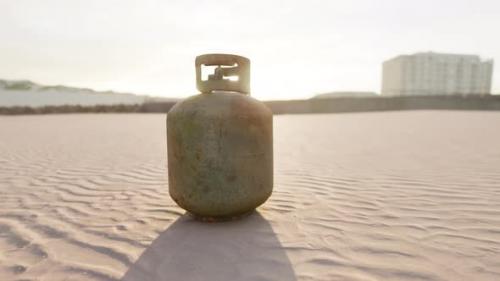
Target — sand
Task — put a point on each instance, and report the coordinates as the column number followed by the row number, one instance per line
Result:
column 366, row 196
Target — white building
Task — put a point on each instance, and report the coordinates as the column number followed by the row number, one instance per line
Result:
column 436, row 74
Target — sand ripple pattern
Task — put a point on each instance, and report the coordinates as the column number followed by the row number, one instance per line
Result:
column 366, row 196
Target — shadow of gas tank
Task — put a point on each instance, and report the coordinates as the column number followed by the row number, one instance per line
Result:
column 247, row 249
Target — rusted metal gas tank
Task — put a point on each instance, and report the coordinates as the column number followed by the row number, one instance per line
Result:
column 220, row 143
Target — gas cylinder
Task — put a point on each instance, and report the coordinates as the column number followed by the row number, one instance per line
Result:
column 220, row 143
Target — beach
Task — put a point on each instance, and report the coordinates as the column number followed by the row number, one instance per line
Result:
column 404, row 195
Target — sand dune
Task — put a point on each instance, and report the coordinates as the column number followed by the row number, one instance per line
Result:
column 367, row 196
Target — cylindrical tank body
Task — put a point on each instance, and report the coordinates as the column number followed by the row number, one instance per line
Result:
column 220, row 154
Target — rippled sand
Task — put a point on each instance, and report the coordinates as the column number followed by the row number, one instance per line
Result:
column 366, row 196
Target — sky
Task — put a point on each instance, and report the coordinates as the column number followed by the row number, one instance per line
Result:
column 298, row 48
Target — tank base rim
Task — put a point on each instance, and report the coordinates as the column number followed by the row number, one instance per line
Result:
column 221, row 218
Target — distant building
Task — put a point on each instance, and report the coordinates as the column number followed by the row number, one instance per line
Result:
column 345, row 95
column 436, row 74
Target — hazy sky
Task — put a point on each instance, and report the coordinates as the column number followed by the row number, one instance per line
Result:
column 297, row 48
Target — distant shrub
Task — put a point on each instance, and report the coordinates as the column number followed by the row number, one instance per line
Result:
column 18, row 85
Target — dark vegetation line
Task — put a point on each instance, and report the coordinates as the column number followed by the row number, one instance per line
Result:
column 61, row 109
column 331, row 105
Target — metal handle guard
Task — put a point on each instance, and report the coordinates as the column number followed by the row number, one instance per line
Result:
column 227, row 65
